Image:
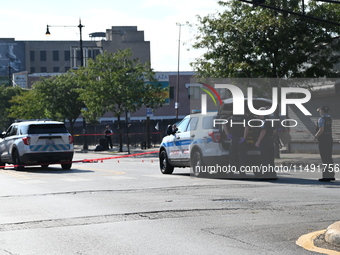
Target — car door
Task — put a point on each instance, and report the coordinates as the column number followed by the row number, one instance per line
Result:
column 184, row 139
column 7, row 143
column 175, row 140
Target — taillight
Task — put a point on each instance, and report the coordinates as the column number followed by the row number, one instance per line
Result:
column 216, row 136
column 27, row 140
column 70, row 139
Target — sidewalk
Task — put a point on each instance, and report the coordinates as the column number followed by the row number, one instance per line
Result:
column 115, row 150
column 285, row 158
column 302, row 158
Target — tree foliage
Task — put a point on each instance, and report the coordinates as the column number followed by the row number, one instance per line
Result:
column 6, row 94
column 249, row 42
column 114, row 82
column 54, row 98
column 27, row 105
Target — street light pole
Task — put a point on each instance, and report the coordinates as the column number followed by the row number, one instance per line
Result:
column 80, row 26
column 85, row 145
column 178, row 61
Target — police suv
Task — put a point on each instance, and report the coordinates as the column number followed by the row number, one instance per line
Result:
column 198, row 142
column 36, row 142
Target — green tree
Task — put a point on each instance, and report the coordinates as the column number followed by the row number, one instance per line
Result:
column 6, row 94
column 117, row 83
column 252, row 42
column 60, row 97
column 27, row 105
column 54, row 98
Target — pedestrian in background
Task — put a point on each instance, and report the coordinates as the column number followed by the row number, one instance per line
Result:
column 325, row 139
column 237, row 130
column 108, row 134
column 265, row 143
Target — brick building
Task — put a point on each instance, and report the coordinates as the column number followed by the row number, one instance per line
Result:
column 46, row 58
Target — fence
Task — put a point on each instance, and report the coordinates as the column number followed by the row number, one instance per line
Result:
column 137, row 130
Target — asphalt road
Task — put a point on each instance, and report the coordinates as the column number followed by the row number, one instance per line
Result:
column 126, row 206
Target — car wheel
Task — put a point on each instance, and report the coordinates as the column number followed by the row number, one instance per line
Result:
column 66, row 166
column 164, row 164
column 2, row 165
column 16, row 161
column 197, row 164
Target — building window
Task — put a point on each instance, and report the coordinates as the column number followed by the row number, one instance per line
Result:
column 56, row 69
column 172, row 93
column 67, row 68
column 32, row 69
column 43, row 55
column 67, row 55
column 96, row 53
column 32, row 55
column 43, row 69
column 55, row 55
column 194, row 93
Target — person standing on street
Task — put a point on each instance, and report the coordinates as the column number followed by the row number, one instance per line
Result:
column 237, row 130
column 108, row 133
column 265, row 143
column 325, row 139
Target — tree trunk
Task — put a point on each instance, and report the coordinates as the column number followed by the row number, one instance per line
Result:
column 120, row 137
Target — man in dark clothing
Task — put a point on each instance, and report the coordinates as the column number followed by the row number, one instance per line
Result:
column 108, row 133
column 325, row 139
column 265, row 143
column 237, row 131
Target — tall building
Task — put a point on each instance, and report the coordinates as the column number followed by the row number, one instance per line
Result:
column 28, row 60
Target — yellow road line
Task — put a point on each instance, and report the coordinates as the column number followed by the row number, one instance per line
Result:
column 307, row 242
column 14, row 173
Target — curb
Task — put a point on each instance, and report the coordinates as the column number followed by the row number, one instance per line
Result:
column 332, row 234
column 307, row 242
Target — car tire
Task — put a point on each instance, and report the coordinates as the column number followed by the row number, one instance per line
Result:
column 66, row 166
column 16, row 161
column 2, row 165
column 197, row 162
column 164, row 164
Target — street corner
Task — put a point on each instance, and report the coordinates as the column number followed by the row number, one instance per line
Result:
column 325, row 241
column 332, row 234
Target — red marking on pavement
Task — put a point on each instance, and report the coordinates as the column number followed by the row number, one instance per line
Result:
column 87, row 160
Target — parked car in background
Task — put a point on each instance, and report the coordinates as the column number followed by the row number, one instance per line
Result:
column 36, row 143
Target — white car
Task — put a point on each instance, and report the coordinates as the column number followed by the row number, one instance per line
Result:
column 36, row 142
column 198, row 143
column 195, row 143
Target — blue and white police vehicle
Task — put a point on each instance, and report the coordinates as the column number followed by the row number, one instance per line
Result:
column 36, row 142
column 197, row 142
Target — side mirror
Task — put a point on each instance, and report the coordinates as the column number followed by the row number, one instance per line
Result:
column 2, row 135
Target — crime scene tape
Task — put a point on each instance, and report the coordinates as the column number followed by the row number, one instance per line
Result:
column 113, row 134
column 95, row 160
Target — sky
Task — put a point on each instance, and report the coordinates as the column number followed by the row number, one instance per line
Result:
column 27, row 20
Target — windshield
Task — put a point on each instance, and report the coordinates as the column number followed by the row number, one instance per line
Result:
column 47, row 129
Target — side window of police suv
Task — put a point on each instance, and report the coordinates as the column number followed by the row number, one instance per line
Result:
column 11, row 131
column 182, row 126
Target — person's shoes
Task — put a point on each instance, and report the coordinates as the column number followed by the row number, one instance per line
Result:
column 326, row 179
